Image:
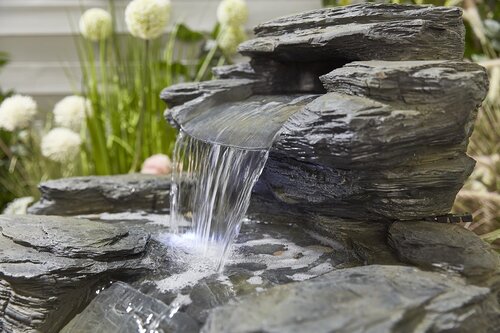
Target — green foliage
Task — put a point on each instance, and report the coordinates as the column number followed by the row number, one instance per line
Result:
column 122, row 77
column 127, row 124
column 5, row 195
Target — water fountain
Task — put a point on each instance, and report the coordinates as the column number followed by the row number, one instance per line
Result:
column 357, row 121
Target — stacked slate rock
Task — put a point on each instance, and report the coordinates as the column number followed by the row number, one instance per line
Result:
column 386, row 136
column 382, row 110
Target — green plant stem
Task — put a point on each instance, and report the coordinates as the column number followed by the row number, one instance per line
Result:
column 143, row 109
column 206, row 64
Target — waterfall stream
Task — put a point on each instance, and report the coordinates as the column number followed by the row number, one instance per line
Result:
column 211, row 188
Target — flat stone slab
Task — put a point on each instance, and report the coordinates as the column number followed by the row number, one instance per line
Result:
column 74, row 238
column 361, row 32
column 50, row 264
column 407, row 82
column 103, row 194
column 361, row 299
column 452, row 247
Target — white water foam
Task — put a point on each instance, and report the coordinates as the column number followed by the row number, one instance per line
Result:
column 211, row 188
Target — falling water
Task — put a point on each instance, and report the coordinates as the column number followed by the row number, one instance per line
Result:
column 211, row 188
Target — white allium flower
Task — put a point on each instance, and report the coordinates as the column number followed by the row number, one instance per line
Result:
column 230, row 38
column 95, row 24
column 147, row 19
column 18, row 206
column 232, row 12
column 61, row 145
column 17, row 112
column 71, row 112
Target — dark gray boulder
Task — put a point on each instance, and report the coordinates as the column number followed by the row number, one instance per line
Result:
column 362, row 299
column 392, row 147
column 92, row 195
column 451, row 247
column 49, row 267
column 361, row 32
column 123, row 309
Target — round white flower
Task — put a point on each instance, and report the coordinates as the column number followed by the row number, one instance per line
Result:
column 147, row 19
column 61, row 145
column 71, row 112
column 232, row 12
column 17, row 112
column 230, row 38
column 95, row 24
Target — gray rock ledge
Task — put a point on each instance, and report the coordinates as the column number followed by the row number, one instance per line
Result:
column 103, row 194
column 361, row 299
column 362, row 32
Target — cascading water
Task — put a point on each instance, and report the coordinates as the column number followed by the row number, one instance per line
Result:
column 213, row 179
column 211, row 188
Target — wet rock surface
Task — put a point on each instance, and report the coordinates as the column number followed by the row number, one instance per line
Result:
column 361, row 299
column 441, row 245
column 103, row 194
column 121, row 308
column 76, row 260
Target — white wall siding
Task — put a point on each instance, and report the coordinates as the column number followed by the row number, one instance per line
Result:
column 39, row 36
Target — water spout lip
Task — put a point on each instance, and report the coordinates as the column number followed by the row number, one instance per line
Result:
column 251, row 123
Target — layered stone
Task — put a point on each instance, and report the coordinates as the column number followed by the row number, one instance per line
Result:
column 133, row 192
column 49, row 262
column 361, row 32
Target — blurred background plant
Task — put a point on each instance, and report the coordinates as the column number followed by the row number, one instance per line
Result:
column 114, row 122
column 481, row 193
column 123, row 77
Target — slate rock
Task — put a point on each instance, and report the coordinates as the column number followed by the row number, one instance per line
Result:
column 50, row 266
column 361, row 32
column 103, row 194
column 449, row 246
column 365, row 241
column 448, row 83
column 362, row 299
column 123, row 309
column 185, row 92
column 375, row 152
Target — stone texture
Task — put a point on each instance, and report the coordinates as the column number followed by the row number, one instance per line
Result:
column 220, row 89
column 366, row 241
column 361, row 32
column 376, row 152
column 90, row 195
column 49, row 266
column 449, row 246
column 122, row 309
column 362, row 299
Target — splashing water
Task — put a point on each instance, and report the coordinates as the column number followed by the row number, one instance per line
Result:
column 211, row 188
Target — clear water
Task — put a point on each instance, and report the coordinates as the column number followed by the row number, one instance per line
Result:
column 211, row 188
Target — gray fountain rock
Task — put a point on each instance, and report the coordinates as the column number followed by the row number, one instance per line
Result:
column 362, row 299
column 452, row 247
column 108, row 194
column 387, row 141
column 123, row 309
column 50, row 265
column 361, row 32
